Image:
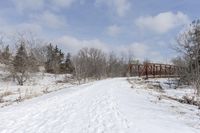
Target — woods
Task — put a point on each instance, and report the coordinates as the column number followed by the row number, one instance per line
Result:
column 30, row 55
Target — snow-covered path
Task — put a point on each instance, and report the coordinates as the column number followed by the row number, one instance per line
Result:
column 108, row 106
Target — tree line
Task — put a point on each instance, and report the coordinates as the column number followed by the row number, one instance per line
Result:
column 31, row 56
column 25, row 60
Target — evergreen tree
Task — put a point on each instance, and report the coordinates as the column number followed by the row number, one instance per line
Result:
column 6, row 55
column 69, row 68
column 20, row 64
column 50, row 57
column 61, row 56
column 55, row 59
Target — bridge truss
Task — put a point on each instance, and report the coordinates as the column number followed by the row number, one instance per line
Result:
column 153, row 70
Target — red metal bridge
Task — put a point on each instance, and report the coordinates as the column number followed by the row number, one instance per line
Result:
column 153, row 70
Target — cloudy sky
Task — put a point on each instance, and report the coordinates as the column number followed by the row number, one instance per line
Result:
column 147, row 28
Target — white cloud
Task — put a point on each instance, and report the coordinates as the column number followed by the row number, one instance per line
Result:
column 73, row 44
column 163, row 22
column 23, row 5
column 119, row 6
column 35, row 5
column 113, row 30
column 63, row 3
column 140, row 51
column 32, row 27
column 10, row 28
column 51, row 20
column 122, row 6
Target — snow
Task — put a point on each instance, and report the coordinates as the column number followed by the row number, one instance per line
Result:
column 169, row 87
column 107, row 106
column 37, row 85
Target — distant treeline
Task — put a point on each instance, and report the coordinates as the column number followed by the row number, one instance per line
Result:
column 31, row 56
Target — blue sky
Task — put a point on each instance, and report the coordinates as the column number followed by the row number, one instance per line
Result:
column 147, row 28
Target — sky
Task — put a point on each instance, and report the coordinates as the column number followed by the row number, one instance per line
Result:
column 145, row 28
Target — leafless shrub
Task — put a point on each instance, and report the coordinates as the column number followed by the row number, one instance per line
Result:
column 28, row 94
column 19, row 99
column 184, row 99
column 116, row 66
column 1, row 99
column 156, row 87
column 89, row 63
column 45, row 91
column 189, row 46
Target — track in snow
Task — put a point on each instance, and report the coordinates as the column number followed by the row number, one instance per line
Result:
column 107, row 106
column 88, row 109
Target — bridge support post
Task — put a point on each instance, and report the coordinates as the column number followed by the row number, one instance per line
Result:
column 160, row 70
column 139, row 70
column 154, row 73
column 146, row 70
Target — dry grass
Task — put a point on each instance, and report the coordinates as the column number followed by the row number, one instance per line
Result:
column 184, row 99
column 5, row 93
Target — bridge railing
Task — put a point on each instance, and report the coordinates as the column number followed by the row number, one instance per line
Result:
column 153, row 70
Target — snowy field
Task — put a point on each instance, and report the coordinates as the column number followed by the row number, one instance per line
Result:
column 38, row 85
column 171, row 89
column 107, row 106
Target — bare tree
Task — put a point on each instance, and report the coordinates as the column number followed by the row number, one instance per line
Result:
column 117, row 66
column 90, row 63
column 78, row 72
column 189, row 45
column 97, row 62
column 182, row 71
column 1, row 44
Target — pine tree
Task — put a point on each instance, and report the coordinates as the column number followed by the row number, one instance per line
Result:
column 55, row 59
column 20, row 64
column 50, row 57
column 6, row 55
column 69, row 68
column 61, row 56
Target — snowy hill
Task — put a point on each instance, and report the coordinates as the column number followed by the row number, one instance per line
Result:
column 108, row 106
column 39, row 84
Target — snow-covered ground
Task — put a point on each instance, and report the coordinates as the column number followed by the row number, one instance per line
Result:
column 107, row 106
column 37, row 85
column 171, row 89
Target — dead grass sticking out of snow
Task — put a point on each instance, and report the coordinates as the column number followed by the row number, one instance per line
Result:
column 139, row 83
